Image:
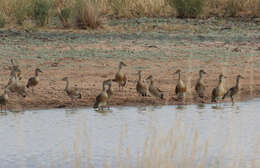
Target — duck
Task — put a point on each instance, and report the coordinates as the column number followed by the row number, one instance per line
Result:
column 140, row 86
column 154, row 91
column 200, row 87
column 102, row 98
column 15, row 86
column 180, row 88
column 4, row 99
column 15, row 70
column 73, row 93
column 219, row 91
column 33, row 81
column 234, row 90
column 120, row 77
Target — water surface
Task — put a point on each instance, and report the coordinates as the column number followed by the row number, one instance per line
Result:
column 86, row 138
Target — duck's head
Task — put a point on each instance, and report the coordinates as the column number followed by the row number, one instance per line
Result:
column 121, row 64
column 38, row 70
column 240, row 76
column 139, row 71
column 202, row 71
column 149, row 77
column 65, row 79
column 178, row 71
column 108, row 82
column 221, row 76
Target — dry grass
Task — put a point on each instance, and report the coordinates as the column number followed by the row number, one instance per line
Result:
column 88, row 14
column 233, row 8
column 177, row 147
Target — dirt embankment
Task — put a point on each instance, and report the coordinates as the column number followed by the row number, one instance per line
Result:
column 87, row 75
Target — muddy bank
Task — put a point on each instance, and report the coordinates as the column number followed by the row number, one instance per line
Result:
column 88, row 58
column 88, row 78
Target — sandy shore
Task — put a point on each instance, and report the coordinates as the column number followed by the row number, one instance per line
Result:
column 88, row 78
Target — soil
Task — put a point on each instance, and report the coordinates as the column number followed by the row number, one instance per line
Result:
column 49, row 93
column 89, row 58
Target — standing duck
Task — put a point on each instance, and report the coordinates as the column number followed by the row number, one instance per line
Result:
column 4, row 99
column 109, row 89
column 154, row 91
column 15, row 86
column 200, row 87
column 102, row 98
column 120, row 77
column 180, row 88
column 219, row 91
column 234, row 90
column 33, row 81
column 73, row 93
column 140, row 86
column 16, row 70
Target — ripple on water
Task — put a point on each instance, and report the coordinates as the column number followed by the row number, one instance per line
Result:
column 65, row 137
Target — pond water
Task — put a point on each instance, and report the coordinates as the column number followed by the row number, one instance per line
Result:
column 220, row 135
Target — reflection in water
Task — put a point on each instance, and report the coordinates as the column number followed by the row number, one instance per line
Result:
column 84, row 137
column 104, row 111
column 201, row 106
column 180, row 107
column 217, row 107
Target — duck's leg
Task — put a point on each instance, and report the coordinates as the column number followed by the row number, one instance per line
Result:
column 232, row 99
column 1, row 107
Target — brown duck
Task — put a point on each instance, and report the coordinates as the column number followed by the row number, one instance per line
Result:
column 120, row 77
column 180, row 88
column 102, row 98
column 73, row 93
column 33, row 81
column 4, row 99
column 109, row 89
column 200, row 87
column 234, row 90
column 15, row 86
column 154, row 91
column 15, row 70
column 140, row 86
column 219, row 91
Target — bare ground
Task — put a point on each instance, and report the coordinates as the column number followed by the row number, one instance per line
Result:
column 88, row 78
column 88, row 58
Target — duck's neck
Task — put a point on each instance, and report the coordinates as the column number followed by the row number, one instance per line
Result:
column 220, row 81
column 104, row 88
column 139, row 78
column 119, row 68
column 151, row 82
column 200, row 77
column 238, row 82
column 67, row 85
column 36, row 73
column 179, row 76
column 5, row 94
column 109, row 86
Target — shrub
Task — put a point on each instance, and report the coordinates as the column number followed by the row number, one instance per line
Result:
column 20, row 10
column 2, row 21
column 233, row 8
column 118, row 6
column 64, row 15
column 41, row 11
column 187, row 8
column 87, row 14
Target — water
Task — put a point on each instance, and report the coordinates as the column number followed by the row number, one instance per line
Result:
column 86, row 138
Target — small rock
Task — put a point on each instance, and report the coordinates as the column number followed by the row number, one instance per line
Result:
column 236, row 50
column 257, row 19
